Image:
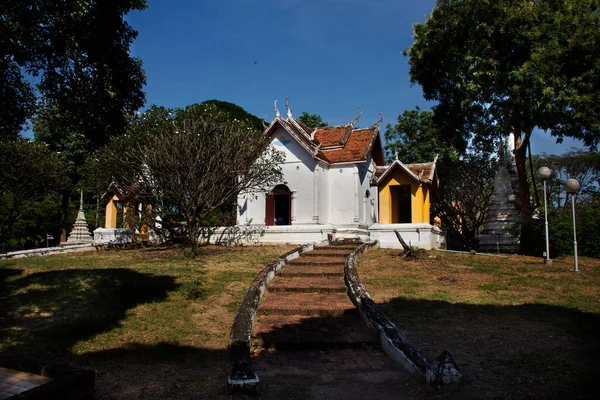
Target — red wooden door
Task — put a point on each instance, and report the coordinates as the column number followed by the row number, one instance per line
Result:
column 270, row 210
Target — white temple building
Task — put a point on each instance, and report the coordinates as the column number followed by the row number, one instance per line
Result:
column 333, row 179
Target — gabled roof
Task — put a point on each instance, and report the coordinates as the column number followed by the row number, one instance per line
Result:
column 332, row 144
column 420, row 172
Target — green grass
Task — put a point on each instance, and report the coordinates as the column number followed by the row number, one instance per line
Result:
column 514, row 325
column 119, row 311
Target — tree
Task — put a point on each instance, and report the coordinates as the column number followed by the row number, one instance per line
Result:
column 187, row 163
column 578, row 164
column 28, row 171
column 585, row 167
column 465, row 194
column 312, row 120
column 88, row 85
column 416, row 138
column 236, row 112
column 496, row 67
column 79, row 51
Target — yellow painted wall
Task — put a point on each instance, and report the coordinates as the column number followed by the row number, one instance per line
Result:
column 110, row 220
column 419, row 200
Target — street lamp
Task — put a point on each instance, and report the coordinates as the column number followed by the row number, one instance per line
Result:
column 544, row 174
column 572, row 187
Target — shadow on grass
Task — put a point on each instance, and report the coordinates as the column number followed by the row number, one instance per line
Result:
column 45, row 313
column 6, row 273
column 169, row 371
column 520, row 352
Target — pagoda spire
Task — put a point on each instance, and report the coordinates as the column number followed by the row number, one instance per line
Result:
column 80, row 233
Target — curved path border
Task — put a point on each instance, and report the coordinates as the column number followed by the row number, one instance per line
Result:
column 242, row 374
column 441, row 370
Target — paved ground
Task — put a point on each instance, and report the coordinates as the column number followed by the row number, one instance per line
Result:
column 308, row 327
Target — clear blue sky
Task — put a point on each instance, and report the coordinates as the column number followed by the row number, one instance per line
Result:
column 328, row 56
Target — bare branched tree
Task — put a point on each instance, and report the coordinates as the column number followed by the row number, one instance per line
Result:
column 464, row 196
column 188, row 164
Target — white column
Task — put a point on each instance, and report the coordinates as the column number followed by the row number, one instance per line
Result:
column 316, row 195
column 293, row 204
column 356, row 198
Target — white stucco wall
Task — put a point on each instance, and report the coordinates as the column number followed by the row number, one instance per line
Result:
column 297, row 176
column 323, row 193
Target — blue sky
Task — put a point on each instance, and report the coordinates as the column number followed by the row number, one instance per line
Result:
column 328, row 56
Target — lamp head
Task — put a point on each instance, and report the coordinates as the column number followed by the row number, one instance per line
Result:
column 544, row 173
column 572, row 186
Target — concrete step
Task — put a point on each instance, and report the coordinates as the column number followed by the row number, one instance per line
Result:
column 320, row 260
column 324, row 252
column 293, row 332
column 304, row 270
column 349, row 247
column 307, row 304
column 307, row 284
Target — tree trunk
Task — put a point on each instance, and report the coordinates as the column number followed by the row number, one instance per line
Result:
column 64, row 215
column 524, row 195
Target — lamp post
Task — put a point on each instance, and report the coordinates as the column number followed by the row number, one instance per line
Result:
column 572, row 187
column 544, row 174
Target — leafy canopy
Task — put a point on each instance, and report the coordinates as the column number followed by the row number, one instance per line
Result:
column 512, row 65
column 502, row 66
column 312, row 120
column 78, row 51
column 416, row 138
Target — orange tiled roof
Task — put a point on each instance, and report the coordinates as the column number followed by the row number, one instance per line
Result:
column 331, row 136
column 356, row 147
column 336, row 144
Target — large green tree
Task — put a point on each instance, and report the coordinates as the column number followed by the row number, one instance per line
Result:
column 87, row 85
column 415, row 138
column 28, row 172
column 502, row 66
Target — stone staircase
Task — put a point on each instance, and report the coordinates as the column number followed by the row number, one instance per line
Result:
column 306, row 305
column 499, row 231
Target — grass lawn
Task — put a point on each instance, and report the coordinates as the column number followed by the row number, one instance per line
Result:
column 152, row 323
column 517, row 328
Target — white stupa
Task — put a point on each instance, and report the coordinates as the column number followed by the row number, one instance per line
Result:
column 80, row 233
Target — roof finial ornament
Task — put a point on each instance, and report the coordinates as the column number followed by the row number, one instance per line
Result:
column 264, row 124
column 380, row 119
column 277, row 114
column 287, row 105
column 355, row 120
column 397, row 155
column 81, row 200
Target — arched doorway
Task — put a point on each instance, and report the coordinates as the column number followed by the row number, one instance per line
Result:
column 279, row 206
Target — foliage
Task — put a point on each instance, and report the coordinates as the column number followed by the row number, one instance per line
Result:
column 79, row 54
column 496, row 67
column 236, row 112
column 28, row 171
column 578, row 164
column 416, row 138
column 464, row 196
column 312, row 120
column 66, row 66
column 585, row 167
column 17, row 99
column 187, row 163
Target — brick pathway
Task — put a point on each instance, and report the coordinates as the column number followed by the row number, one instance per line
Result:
column 307, row 325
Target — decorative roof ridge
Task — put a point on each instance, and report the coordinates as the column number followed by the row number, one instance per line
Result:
column 420, row 164
column 356, row 118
